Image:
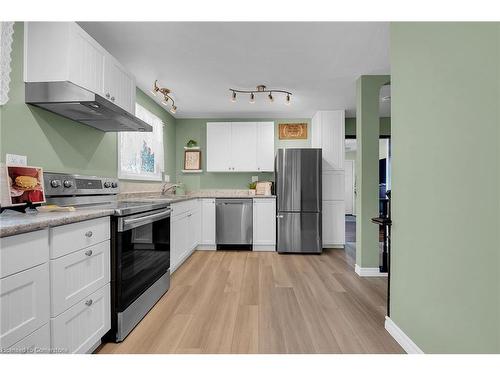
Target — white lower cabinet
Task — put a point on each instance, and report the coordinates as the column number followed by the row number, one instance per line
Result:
column 333, row 223
column 264, row 224
column 36, row 343
column 80, row 328
column 78, row 274
column 207, row 221
column 24, row 304
column 185, row 231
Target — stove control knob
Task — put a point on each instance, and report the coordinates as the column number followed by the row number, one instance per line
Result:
column 67, row 183
column 114, row 185
column 55, row 183
column 107, row 184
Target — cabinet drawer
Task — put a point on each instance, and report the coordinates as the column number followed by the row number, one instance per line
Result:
column 78, row 274
column 68, row 238
column 185, row 206
column 36, row 343
column 80, row 327
column 24, row 304
column 23, row 251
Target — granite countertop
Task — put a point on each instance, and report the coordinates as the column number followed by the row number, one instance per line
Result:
column 22, row 223
column 17, row 223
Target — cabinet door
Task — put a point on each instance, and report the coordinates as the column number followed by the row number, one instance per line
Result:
column 86, row 61
column 332, row 139
column 82, row 326
column 193, row 229
column 36, row 343
column 243, row 146
column 119, row 85
column 219, row 147
column 208, row 221
column 264, row 221
column 265, row 146
column 24, row 304
column 176, row 233
column 333, row 185
column 78, row 274
column 333, row 223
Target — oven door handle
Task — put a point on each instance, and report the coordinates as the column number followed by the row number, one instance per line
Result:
column 127, row 224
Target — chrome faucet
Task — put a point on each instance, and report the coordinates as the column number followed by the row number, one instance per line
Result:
column 165, row 189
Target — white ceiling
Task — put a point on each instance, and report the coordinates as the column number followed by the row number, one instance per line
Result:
column 318, row 62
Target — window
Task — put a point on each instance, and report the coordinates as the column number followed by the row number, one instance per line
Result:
column 140, row 155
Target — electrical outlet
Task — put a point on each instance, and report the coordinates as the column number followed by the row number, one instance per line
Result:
column 255, row 178
column 13, row 159
column 167, row 178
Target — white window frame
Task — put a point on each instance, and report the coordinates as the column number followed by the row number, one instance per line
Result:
column 157, row 125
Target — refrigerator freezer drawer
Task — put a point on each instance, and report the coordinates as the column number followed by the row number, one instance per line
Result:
column 299, row 232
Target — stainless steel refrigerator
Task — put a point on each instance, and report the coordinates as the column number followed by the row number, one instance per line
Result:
column 298, row 197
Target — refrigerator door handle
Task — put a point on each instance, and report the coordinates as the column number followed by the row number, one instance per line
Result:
column 279, row 216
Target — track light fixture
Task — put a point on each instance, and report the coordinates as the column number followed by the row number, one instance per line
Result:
column 260, row 89
column 166, row 96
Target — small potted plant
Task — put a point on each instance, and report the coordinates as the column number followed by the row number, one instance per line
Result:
column 252, row 186
column 192, row 144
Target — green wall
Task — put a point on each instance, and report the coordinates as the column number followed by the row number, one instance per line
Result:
column 350, row 126
column 58, row 144
column 196, row 129
column 445, row 287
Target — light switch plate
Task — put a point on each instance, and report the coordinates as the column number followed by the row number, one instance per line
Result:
column 13, row 159
column 255, row 178
column 167, row 178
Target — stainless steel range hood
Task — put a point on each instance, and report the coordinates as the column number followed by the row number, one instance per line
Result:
column 76, row 103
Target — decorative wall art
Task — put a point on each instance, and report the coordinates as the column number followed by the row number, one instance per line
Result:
column 192, row 160
column 140, row 155
column 293, row 131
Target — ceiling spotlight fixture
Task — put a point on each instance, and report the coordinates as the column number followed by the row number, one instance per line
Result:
column 260, row 89
column 166, row 96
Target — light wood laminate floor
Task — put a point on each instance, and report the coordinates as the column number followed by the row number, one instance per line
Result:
column 258, row 302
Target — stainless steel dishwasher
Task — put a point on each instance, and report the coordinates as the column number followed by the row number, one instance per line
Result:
column 234, row 221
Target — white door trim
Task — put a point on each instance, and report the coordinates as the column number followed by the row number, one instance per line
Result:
column 369, row 271
column 402, row 339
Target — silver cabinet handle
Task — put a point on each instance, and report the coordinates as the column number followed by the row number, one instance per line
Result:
column 88, row 253
column 89, row 302
column 88, row 234
column 107, row 95
column 112, row 98
column 189, row 215
column 279, row 216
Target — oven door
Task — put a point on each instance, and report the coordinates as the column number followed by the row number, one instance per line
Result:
column 142, row 254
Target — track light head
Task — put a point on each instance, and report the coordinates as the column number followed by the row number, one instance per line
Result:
column 252, row 98
column 287, row 101
column 270, row 96
column 233, row 97
column 173, row 109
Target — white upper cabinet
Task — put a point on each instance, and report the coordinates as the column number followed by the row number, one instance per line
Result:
column 86, row 56
column 119, row 85
column 63, row 51
column 240, row 146
column 328, row 134
column 265, row 146
column 244, row 146
column 219, row 147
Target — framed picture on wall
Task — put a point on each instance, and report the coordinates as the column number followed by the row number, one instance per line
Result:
column 293, row 131
column 192, row 160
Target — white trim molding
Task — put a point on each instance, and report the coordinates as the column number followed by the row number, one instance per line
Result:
column 369, row 271
column 6, row 32
column 402, row 339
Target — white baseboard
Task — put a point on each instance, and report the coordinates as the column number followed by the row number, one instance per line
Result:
column 206, row 247
column 402, row 339
column 369, row 271
column 264, row 248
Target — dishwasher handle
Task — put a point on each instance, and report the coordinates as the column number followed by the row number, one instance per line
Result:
column 221, row 202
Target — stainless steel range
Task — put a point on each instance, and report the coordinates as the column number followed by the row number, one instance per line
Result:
column 140, row 244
